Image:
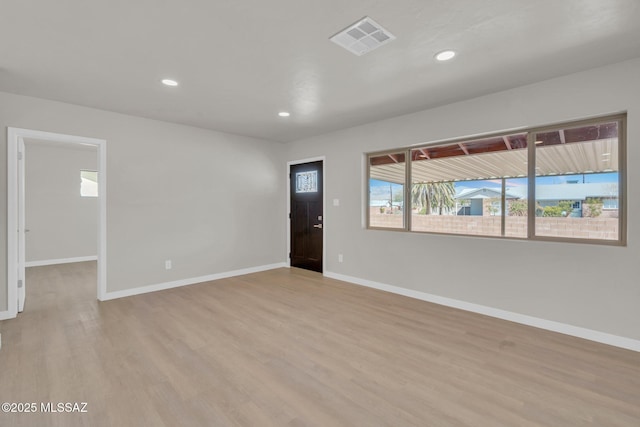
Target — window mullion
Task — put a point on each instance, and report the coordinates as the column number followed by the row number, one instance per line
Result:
column 407, row 191
column 503, row 208
column 531, row 180
column 622, row 180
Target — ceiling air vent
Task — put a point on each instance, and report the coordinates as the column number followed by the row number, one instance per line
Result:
column 362, row 37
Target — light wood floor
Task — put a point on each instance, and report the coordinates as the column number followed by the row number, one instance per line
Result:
column 291, row 348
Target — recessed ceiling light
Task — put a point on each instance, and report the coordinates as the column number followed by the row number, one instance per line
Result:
column 169, row 82
column 445, row 55
column 284, row 114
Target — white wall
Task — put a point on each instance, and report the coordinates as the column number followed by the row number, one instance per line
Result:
column 589, row 286
column 61, row 223
column 211, row 202
column 214, row 202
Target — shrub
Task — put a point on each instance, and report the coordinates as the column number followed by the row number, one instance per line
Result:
column 554, row 211
column 594, row 207
column 563, row 208
column 518, row 207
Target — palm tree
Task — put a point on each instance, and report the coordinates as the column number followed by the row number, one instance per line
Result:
column 420, row 197
column 444, row 195
column 431, row 195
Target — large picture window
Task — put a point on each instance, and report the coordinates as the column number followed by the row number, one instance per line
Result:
column 466, row 187
column 557, row 183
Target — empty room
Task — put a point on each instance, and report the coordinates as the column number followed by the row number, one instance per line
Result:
column 335, row 213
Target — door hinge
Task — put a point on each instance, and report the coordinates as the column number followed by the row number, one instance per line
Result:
column 289, row 215
column 19, row 155
column 289, row 255
column 20, row 284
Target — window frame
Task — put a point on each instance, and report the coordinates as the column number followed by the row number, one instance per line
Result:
column 620, row 118
column 406, row 152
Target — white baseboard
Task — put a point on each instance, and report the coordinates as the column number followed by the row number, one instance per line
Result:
column 4, row 315
column 191, row 281
column 60, row 261
column 549, row 325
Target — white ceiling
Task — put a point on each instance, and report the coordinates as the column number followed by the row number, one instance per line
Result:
column 240, row 62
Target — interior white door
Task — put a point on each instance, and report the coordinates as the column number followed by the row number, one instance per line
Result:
column 21, row 227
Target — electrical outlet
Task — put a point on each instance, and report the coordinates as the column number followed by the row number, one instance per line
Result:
column 340, row 258
column 167, row 264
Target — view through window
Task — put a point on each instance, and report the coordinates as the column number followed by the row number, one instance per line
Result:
column 577, row 172
column 482, row 186
column 467, row 187
column 386, row 190
column 88, row 183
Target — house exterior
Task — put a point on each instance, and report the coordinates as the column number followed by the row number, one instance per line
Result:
column 486, row 201
column 483, row 201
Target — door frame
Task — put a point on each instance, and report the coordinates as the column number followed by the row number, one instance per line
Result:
column 14, row 136
column 324, row 207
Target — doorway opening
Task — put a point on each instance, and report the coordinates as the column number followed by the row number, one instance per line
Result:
column 306, row 215
column 16, row 218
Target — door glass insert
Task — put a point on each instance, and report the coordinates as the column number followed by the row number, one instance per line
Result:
column 307, row 182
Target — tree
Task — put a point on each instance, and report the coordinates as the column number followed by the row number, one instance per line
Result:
column 420, row 197
column 429, row 196
column 444, row 195
column 398, row 196
column 493, row 205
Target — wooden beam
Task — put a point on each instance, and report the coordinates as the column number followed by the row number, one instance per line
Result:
column 461, row 145
column 425, row 153
column 393, row 157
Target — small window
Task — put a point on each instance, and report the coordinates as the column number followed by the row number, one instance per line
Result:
column 610, row 203
column 387, row 174
column 307, row 182
column 88, row 183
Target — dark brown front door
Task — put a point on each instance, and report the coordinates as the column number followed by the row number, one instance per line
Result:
column 306, row 216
